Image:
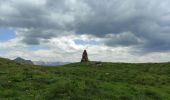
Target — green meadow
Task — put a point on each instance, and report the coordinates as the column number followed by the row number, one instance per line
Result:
column 85, row 81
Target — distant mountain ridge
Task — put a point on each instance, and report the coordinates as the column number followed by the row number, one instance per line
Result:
column 50, row 63
column 23, row 61
column 42, row 63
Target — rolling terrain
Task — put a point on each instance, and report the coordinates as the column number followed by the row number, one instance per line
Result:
column 85, row 81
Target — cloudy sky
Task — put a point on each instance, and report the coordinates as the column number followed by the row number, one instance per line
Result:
column 111, row 30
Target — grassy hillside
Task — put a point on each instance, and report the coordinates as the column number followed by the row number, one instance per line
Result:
column 81, row 81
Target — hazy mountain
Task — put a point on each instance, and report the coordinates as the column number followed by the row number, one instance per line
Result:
column 50, row 63
column 43, row 63
column 21, row 60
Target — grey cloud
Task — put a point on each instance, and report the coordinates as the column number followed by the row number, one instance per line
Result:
column 123, row 39
column 24, row 14
column 147, row 22
column 142, row 18
column 34, row 36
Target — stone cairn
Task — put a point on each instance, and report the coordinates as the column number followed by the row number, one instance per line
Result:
column 84, row 57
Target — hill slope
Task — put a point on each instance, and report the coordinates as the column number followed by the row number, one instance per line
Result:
column 80, row 81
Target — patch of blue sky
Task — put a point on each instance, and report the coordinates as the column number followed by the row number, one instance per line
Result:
column 7, row 34
column 83, row 42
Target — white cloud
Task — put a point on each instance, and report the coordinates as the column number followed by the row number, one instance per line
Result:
column 12, row 44
column 64, row 49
